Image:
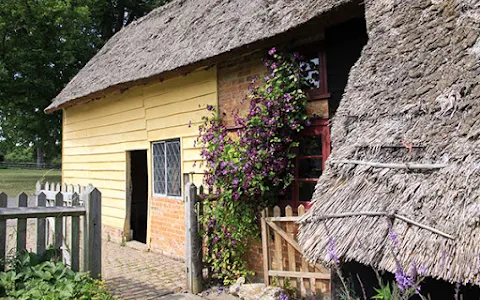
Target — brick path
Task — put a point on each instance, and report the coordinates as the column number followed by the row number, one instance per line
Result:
column 135, row 274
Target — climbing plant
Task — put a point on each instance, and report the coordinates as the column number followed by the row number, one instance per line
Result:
column 251, row 167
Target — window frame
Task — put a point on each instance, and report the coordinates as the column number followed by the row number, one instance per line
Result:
column 318, row 50
column 320, row 126
column 166, row 195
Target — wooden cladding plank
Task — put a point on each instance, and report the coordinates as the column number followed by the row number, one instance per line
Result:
column 106, row 149
column 178, row 88
column 3, row 232
column 109, row 120
column 114, row 222
column 22, row 225
column 194, row 166
column 179, row 120
column 172, row 132
column 112, row 104
column 185, row 105
column 117, row 156
column 192, row 154
column 294, row 274
column 112, row 175
column 126, row 126
column 123, row 137
column 41, row 225
column 190, row 142
column 96, row 166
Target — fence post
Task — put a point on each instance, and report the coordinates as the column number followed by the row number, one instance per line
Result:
column 192, row 241
column 3, row 232
column 41, row 224
column 265, row 241
column 22, row 225
column 93, row 249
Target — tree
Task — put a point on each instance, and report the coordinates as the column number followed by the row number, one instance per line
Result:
column 43, row 44
column 111, row 16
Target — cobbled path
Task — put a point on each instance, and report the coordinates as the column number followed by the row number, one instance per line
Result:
column 135, row 274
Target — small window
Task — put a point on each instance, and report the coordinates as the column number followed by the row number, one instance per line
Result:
column 313, row 150
column 166, row 168
column 316, row 70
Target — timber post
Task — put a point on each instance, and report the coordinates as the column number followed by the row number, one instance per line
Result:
column 192, row 241
column 93, row 239
column 3, row 232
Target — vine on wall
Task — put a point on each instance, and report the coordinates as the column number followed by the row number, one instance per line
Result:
column 250, row 168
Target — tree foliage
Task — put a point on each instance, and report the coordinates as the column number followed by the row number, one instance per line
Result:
column 43, row 44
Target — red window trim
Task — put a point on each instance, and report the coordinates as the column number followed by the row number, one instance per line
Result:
column 320, row 127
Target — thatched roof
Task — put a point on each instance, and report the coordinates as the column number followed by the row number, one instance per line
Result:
column 185, row 32
column 416, row 83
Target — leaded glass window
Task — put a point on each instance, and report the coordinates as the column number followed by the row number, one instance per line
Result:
column 166, row 168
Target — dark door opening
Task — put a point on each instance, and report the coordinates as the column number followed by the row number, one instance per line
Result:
column 139, row 195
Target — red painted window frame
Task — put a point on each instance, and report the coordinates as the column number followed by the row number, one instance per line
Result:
column 319, row 127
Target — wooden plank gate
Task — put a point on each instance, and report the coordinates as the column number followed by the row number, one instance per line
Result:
column 59, row 211
column 283, row 262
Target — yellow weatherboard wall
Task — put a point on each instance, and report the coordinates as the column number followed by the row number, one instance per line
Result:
column 98, row 134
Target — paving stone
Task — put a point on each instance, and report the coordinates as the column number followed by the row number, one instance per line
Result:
column 135, row 274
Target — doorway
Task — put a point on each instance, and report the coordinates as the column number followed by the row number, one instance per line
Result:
column 138, row 195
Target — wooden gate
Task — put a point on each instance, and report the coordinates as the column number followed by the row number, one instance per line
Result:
column 283, row 262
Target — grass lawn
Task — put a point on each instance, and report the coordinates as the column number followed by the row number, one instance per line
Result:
column 15, row 181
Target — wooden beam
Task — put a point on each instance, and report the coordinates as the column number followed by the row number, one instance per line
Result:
column 283, row 219
column 377, row 214
column 40, row 212
column 408, row 166
column 265, row 240
column 284, row 235
column 293, row 274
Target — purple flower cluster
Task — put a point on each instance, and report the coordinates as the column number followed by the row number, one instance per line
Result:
column 283, row 296
column 403, row 279
column 331, row 252
column 408, row 280
column 393, row 236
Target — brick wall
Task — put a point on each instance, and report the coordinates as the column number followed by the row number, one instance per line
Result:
column 234, row 78
column 167, row 227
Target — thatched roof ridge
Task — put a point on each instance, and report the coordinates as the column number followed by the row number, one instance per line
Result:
column 184, row 32
column 417, row 83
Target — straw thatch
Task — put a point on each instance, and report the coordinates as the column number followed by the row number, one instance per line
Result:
column 184, row 32
column 412, row 97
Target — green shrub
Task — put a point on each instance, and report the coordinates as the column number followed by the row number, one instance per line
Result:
column 20, row 154
column 32, row 276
